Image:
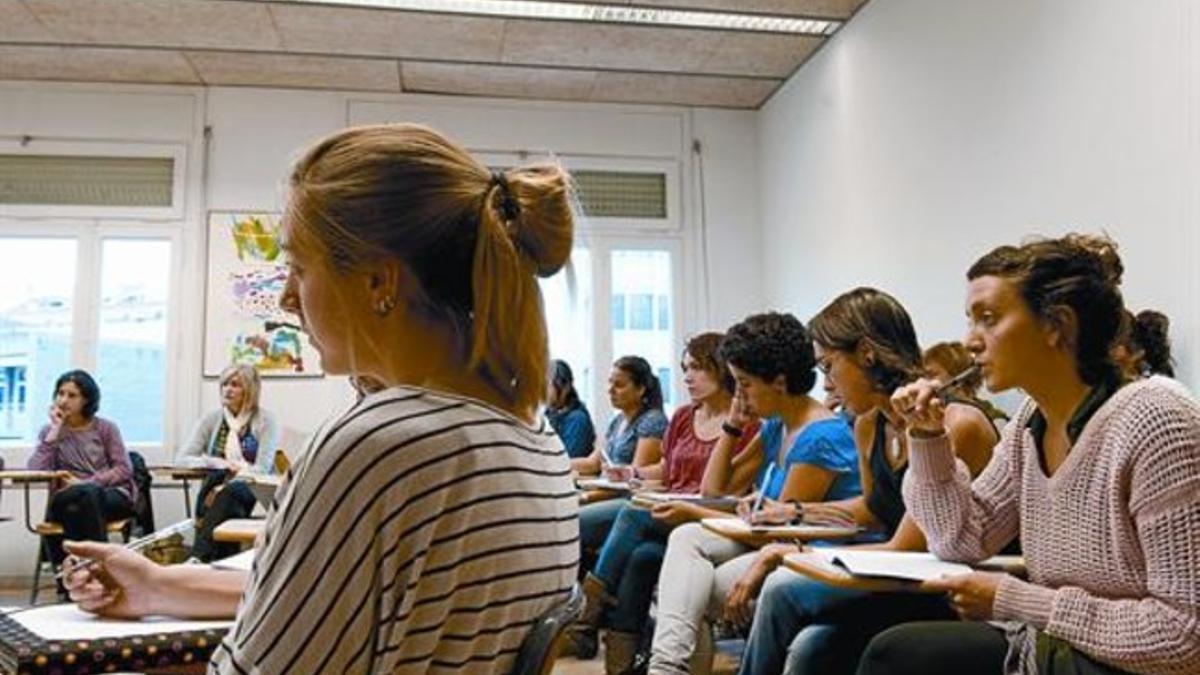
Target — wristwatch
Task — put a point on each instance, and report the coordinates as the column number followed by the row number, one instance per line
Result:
column 799, row 509
column 731, row 429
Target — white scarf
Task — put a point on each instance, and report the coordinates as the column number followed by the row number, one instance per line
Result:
column 233, row 440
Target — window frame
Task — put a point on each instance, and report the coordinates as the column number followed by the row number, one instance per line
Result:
column 90, row 235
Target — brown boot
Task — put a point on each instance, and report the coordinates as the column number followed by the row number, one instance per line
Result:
column 596, row 598
column 620, row 650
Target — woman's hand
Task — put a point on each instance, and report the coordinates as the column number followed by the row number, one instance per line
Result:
column 828, row 514
column 918, row 404
column 118, row 583
column 745, row 505
column 739, row 605
column 973, row 596
column 56, row 418
column 773, row 513
column 739, row 415
column 619, row 473
column 675, row 513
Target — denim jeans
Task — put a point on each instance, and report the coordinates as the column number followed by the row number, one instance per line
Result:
column 634, row 526
column 595, row 521
column 804, row 626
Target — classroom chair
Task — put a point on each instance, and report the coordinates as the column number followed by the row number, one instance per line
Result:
column 539, row 650
column 53, row 529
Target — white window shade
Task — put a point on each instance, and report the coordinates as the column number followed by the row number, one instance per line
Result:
column 77, row 180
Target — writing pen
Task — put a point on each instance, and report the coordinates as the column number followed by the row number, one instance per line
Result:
column 139, row 544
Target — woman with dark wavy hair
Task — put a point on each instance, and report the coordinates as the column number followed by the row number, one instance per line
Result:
column 1098, row 474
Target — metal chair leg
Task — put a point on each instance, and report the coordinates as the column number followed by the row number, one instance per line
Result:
column 37, row 571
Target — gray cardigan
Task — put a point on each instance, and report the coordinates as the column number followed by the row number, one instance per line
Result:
column 204, row 439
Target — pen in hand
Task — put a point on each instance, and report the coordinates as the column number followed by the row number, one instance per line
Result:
column 138, row 545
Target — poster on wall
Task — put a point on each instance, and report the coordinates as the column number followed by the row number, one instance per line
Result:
column 243, row 321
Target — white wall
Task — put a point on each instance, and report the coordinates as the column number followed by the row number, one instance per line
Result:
column 257, row 133
column 927, row 132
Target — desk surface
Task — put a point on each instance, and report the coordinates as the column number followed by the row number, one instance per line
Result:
column 30, row 476
column 240, row 530
column 819, row 568
column 757, row 537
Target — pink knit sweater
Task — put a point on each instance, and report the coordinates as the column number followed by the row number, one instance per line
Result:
column 1112, row 540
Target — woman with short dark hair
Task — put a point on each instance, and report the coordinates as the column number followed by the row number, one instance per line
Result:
column 88, row 449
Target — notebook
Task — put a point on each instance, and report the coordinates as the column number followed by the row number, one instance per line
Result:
column 63, row 638
column 262, row 485
column 734, row 527
column 603, row 484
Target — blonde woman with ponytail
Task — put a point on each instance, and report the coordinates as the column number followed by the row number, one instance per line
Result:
column 429, row 525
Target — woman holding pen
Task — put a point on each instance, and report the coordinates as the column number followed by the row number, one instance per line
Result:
column 802, row 452
column 429, row 526
column 633, row 442
column 1099, row 474
column 866, row 347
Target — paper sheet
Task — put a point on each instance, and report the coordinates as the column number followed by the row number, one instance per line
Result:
column 68, row 622
column 241, row 561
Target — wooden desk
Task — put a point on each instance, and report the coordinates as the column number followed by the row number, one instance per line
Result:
column 26, row 478
column 239, row 530
column 184, row 475
column 816, row 567
column 759, row 536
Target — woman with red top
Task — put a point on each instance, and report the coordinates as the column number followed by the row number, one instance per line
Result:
column 1098, row 474
column 632, row 554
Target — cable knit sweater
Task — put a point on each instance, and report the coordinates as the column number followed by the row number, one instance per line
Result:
column 1111, row 540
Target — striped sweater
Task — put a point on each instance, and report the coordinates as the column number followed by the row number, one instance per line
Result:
column 422, row 532
column 1111, row 540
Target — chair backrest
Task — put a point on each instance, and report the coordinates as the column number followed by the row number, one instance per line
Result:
column 143, row 510
column 540, row 648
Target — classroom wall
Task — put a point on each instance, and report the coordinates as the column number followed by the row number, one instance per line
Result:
column 926, row 132
column 257, row 133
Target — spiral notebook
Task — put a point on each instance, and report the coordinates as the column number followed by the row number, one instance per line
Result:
column 65, row 639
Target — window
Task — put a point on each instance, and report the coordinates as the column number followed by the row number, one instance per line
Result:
column 132, row 344
column 85, row 301
column 36, row 319
column 567, row 298
column 645, row 275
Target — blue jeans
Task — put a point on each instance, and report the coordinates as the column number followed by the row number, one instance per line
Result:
column 633, row 527
column 813, row 627
column 595, row 521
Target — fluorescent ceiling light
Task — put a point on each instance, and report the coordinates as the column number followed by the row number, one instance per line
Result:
column 570, row 11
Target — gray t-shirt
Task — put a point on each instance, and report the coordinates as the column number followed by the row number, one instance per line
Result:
column 621, row 443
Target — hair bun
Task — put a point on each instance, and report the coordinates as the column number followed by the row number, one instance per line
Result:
column 1105, row 251
column 542, row 224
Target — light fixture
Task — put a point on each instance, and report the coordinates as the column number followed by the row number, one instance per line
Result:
column 597, row 13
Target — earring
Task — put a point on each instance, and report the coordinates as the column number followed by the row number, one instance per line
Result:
column 385, row 306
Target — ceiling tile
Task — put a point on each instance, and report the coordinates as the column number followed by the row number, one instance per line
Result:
column 339, row 30
column 609, row 46
column 499, row 81
column 291, row 70
column 85, row 64
column 728, row 92
column 176, row 23
column 18, row 24
column 770, row 55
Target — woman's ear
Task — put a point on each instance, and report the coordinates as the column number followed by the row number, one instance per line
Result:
column 384, row 279
column 865, row 354
column 1061, row 327
column 780, row 383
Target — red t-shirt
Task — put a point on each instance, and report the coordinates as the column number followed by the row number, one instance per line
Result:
column 685, row 455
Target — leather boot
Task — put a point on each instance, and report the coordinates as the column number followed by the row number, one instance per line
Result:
column 620, row 650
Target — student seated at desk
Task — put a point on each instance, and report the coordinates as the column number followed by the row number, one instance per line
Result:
column 867, row 347
column 1099, row 474
column 239, row 436
column 567, row 413
column 632, row 444
column 803, row 452
column 627, row 568
column 100, row 487
column 430, row 524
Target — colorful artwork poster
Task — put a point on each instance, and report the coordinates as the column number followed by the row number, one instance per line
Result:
column 243, row 321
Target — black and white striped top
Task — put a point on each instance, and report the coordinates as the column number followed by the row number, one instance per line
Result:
column 422, row 532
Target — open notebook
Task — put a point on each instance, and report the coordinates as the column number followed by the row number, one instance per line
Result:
column 64, row 638
column 890, row 564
